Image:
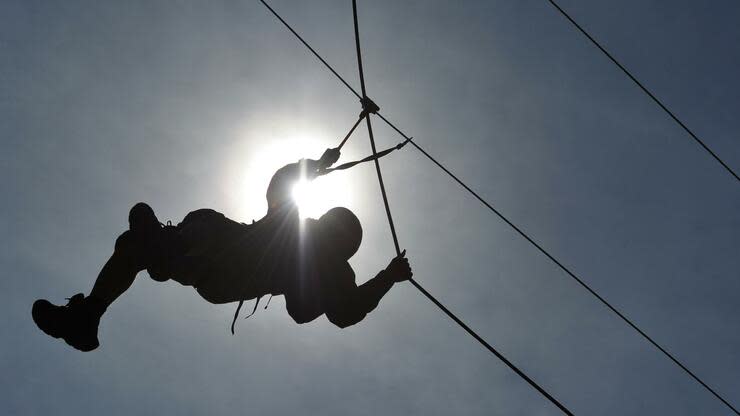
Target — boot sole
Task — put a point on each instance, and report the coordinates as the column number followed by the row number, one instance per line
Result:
column 37, row 311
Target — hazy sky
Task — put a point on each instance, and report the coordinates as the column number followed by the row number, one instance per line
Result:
column 190, row 104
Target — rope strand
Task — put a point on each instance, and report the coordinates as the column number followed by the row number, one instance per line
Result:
column 352, row 130
column 370, row 132
column 511, row 224
column 326, row 64
column 654, row 98
column 398, row 250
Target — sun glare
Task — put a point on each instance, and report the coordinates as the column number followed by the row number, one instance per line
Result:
column 316, row 197
column 313, row 198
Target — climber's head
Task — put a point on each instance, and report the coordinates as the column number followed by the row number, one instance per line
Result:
column 340, row 231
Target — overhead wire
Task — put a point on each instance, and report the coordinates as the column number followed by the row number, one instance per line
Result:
column 646, row 91
column 397, row 246
column 690, row 133
column 508, row 222
column 316, row 54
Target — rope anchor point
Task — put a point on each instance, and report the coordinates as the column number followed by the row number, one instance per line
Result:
column 368, row 106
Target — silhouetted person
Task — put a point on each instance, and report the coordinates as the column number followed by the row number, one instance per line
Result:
column 226, row 261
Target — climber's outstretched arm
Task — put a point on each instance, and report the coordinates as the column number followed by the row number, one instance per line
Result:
column 347, row 303
column 281, row 185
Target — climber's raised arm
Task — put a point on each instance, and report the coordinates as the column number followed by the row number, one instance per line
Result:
column 279, row 192
column 347, row 304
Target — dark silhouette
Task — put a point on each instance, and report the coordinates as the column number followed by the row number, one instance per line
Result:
column 227, row 261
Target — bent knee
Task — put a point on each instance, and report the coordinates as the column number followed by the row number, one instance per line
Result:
column 141, row 217
column 125, row 243
column 128, row 252
column 140, row 208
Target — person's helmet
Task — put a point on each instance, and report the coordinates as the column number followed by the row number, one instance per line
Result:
column 340, row 232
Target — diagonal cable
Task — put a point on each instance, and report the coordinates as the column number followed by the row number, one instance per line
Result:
column 398, row 249
column 649, row 94
column 316, row 54
column 513, row 226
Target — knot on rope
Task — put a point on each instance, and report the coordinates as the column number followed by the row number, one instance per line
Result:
column 368, row 106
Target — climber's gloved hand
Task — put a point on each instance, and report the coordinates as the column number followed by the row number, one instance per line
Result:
column 399, row 269
column 329, row 158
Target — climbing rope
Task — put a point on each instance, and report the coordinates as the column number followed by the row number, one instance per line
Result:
column 395, row 237
column 497, row 213
column 368, row 107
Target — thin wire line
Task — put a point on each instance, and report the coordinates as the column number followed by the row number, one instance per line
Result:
column 646, row 91
column 517, row 229
column 398, row 249
column 490, row 348
column 326, row 64
column 693, row 136
column 570, row 273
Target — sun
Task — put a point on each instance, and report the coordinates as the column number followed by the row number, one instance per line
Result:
column 315, row 197
column 306, row 197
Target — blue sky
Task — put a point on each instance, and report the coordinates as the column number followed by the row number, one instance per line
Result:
column 194, row 104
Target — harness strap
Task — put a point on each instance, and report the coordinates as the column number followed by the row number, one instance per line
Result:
column 236, row 315
column 239, row 307
column 367, row 159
